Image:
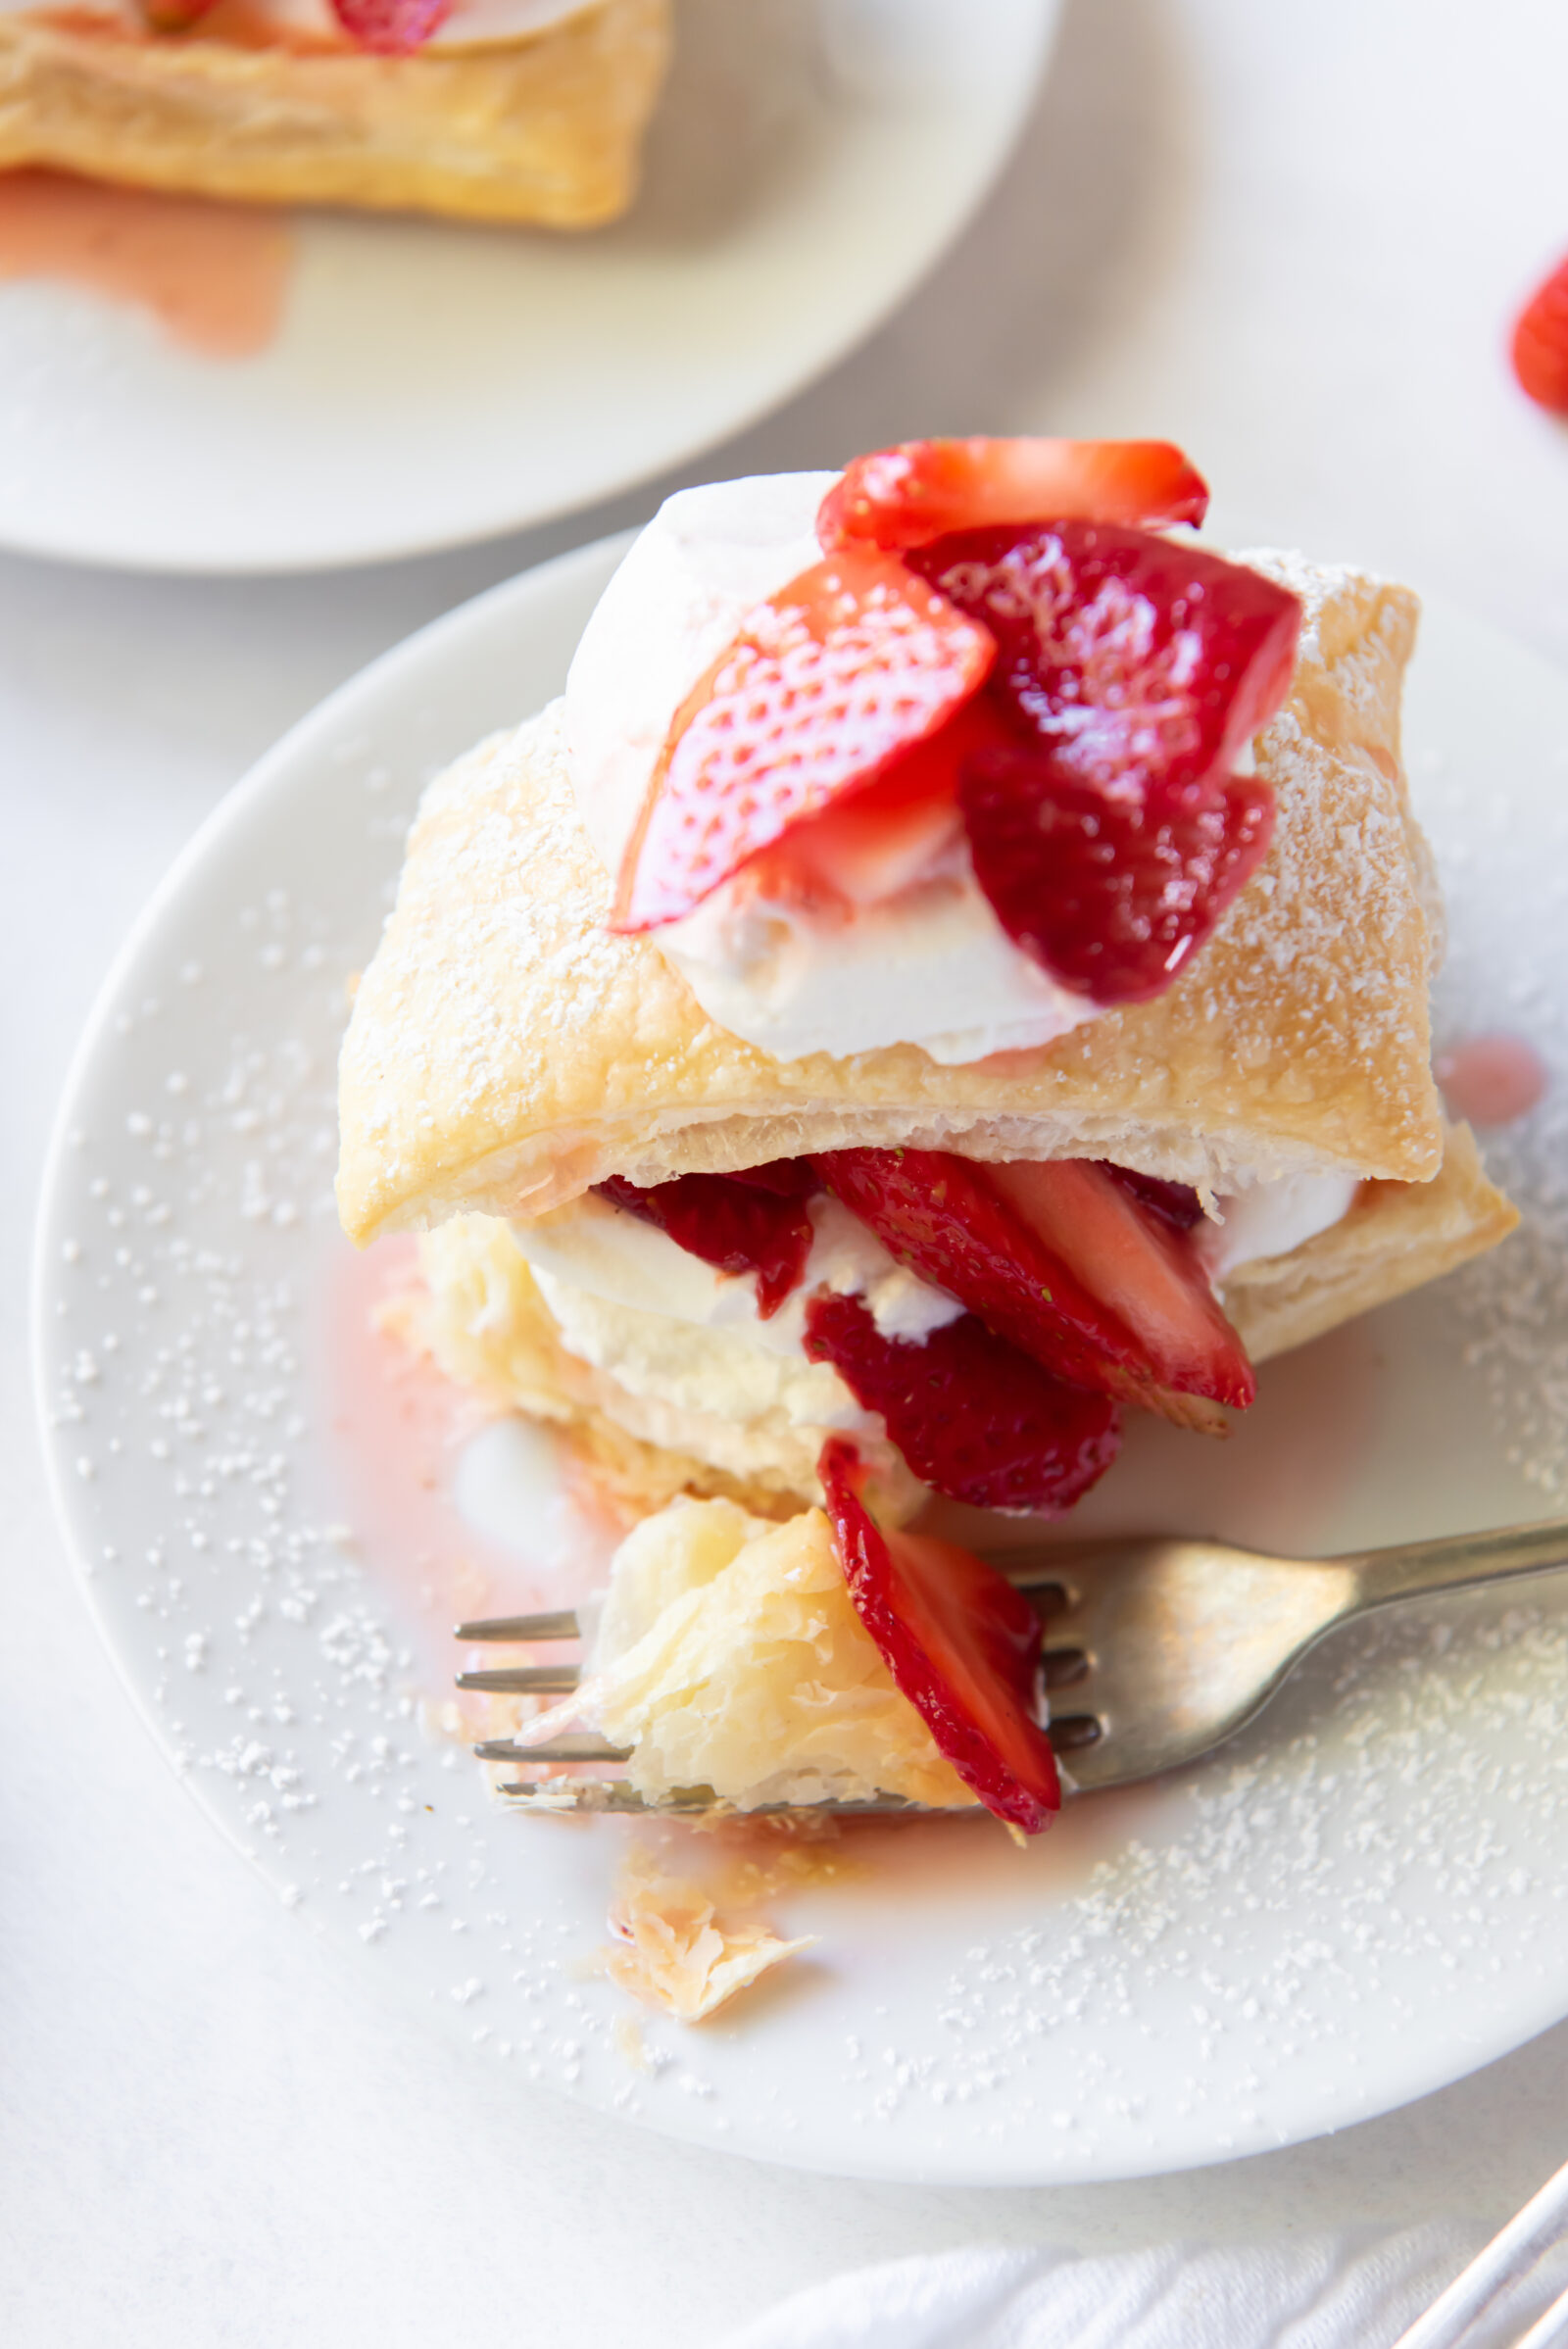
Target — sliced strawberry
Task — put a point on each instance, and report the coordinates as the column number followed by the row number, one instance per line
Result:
column 734, row 1223
column 786, row 1178
column 852, row 663
column 906, row 496
column 1110, row 896
column 391, row 27
column 882, row 840
column 961, row 1642
column 949, row 1220
column 1541, row 343
column 1178, row 1204
column 1138, row 1266
column 974, row 1418
column 1146, row 666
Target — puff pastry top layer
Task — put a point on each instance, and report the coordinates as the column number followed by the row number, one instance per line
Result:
column 505, row 1052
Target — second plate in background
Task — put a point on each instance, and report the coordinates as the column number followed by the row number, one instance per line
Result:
column 434, row 384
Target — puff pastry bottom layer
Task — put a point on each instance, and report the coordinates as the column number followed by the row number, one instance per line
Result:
column 544, row 130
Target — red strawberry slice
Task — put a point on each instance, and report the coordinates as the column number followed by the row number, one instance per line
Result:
column 1178, row 1204
column 1055, row 1291
column 1110, row 896
column 906, row 496
column 1145, row 666
column 1138, row 1265
column 391, row 27
column 961, row 1642
column 824, row 685
column 786, row 1178
column 1541, row 344
column 735, row 1224
column 882, row 840
column 974, row 1418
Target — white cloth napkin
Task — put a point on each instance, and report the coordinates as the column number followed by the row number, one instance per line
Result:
column 1357, row 2291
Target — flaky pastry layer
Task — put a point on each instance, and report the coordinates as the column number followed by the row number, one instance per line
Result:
column 506, row 1051
column 1396, row 1238
column 545, row 130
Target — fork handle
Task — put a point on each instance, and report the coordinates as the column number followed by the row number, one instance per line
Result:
column 1457, row 1562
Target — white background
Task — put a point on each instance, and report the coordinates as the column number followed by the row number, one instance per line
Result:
column 1290, row 237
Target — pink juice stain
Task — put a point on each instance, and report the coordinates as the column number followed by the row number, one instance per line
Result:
column 401, row 1437
column 1492, row 1080
column 214, row 275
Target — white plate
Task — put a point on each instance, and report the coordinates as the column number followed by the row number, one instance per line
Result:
column 434, row 384
column 1360, row 1900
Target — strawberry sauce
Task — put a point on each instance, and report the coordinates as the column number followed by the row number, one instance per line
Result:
column 1490, row 1080
column 214, row 275
column 414, row 1453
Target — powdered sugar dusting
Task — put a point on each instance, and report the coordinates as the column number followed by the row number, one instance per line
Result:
column 1361, row 1897
column 1504, row 850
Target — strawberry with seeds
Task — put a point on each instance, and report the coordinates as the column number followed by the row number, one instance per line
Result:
column 1063, row 1262
column 1110, row 834
column 961, row 1642
column 852, row 663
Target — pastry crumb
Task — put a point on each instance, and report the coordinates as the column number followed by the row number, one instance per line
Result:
column 673, row 1951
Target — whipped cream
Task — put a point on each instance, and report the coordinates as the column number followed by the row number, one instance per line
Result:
column 666, row 1325
column 472, row 24
column 1272, row 1218
column 931, row 967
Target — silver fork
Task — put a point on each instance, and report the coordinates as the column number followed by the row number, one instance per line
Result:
column 1168, row 1645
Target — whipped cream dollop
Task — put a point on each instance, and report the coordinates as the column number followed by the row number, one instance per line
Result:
column 931, row 967
column 472, row 24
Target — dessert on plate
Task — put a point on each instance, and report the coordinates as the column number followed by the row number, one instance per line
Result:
column 488, row 109
column 951, row 971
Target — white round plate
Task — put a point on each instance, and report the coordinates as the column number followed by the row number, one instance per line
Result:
column 1360, row 1899
column 434, row 384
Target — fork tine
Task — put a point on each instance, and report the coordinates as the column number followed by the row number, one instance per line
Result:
column 522, row 1679
column 1076, row 1730
column 585, row 1748
column 618, row 1794
column 1063, row 1667
column 562, row 1624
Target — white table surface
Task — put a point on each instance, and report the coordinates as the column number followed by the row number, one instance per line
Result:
column 1288, row 237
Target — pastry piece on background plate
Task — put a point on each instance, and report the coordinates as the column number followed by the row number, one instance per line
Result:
column 939, row 991
column 485, row 110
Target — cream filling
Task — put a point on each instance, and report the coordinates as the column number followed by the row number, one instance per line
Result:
column 930, row 966
column 668, row 1328
column 1270, row 1219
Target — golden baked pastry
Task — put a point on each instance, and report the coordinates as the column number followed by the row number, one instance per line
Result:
column 545, row 129
column 1395, row 1237
column 506, row 1051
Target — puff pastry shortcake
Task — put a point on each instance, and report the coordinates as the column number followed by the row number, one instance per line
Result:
column 485, row 110
column 953, row 969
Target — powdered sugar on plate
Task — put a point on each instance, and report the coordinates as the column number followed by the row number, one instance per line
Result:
column 1362, row 1898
